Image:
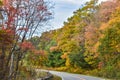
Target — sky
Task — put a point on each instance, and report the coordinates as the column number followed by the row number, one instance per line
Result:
column 64, row 9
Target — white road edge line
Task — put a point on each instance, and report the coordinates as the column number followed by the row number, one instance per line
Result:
column 62, row 78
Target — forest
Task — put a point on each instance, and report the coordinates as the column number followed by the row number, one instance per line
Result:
column 88, row 43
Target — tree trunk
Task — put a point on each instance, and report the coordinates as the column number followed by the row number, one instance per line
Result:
column 2, row 62
column 11, row 67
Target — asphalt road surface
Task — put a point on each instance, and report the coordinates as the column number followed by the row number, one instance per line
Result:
column 70, row 76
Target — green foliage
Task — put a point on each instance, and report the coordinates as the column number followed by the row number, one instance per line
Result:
column 110, row 72
column 77, row 60
column 50, row 44
column 55, row 60
column 110, row 42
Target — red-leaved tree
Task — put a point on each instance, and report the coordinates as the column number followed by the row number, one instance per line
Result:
column 21, row 19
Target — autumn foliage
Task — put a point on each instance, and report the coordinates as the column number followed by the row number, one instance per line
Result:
column 20, row 20
column 88, row 43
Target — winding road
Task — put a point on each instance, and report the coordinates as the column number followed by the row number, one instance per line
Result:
column 70, row 76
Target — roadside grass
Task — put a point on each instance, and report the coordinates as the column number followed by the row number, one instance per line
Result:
column 56, row 78
column 41, row 74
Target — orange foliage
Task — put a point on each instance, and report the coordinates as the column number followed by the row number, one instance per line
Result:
column 103, row 27
column 53, row 48
column 6, row 3
column 64, row 56
column 106, row 9
column 39, row 52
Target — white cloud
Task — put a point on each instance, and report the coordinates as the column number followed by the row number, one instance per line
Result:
column 77, row 2
column 102, row 0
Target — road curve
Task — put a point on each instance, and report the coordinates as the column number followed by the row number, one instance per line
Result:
column 70, row 76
